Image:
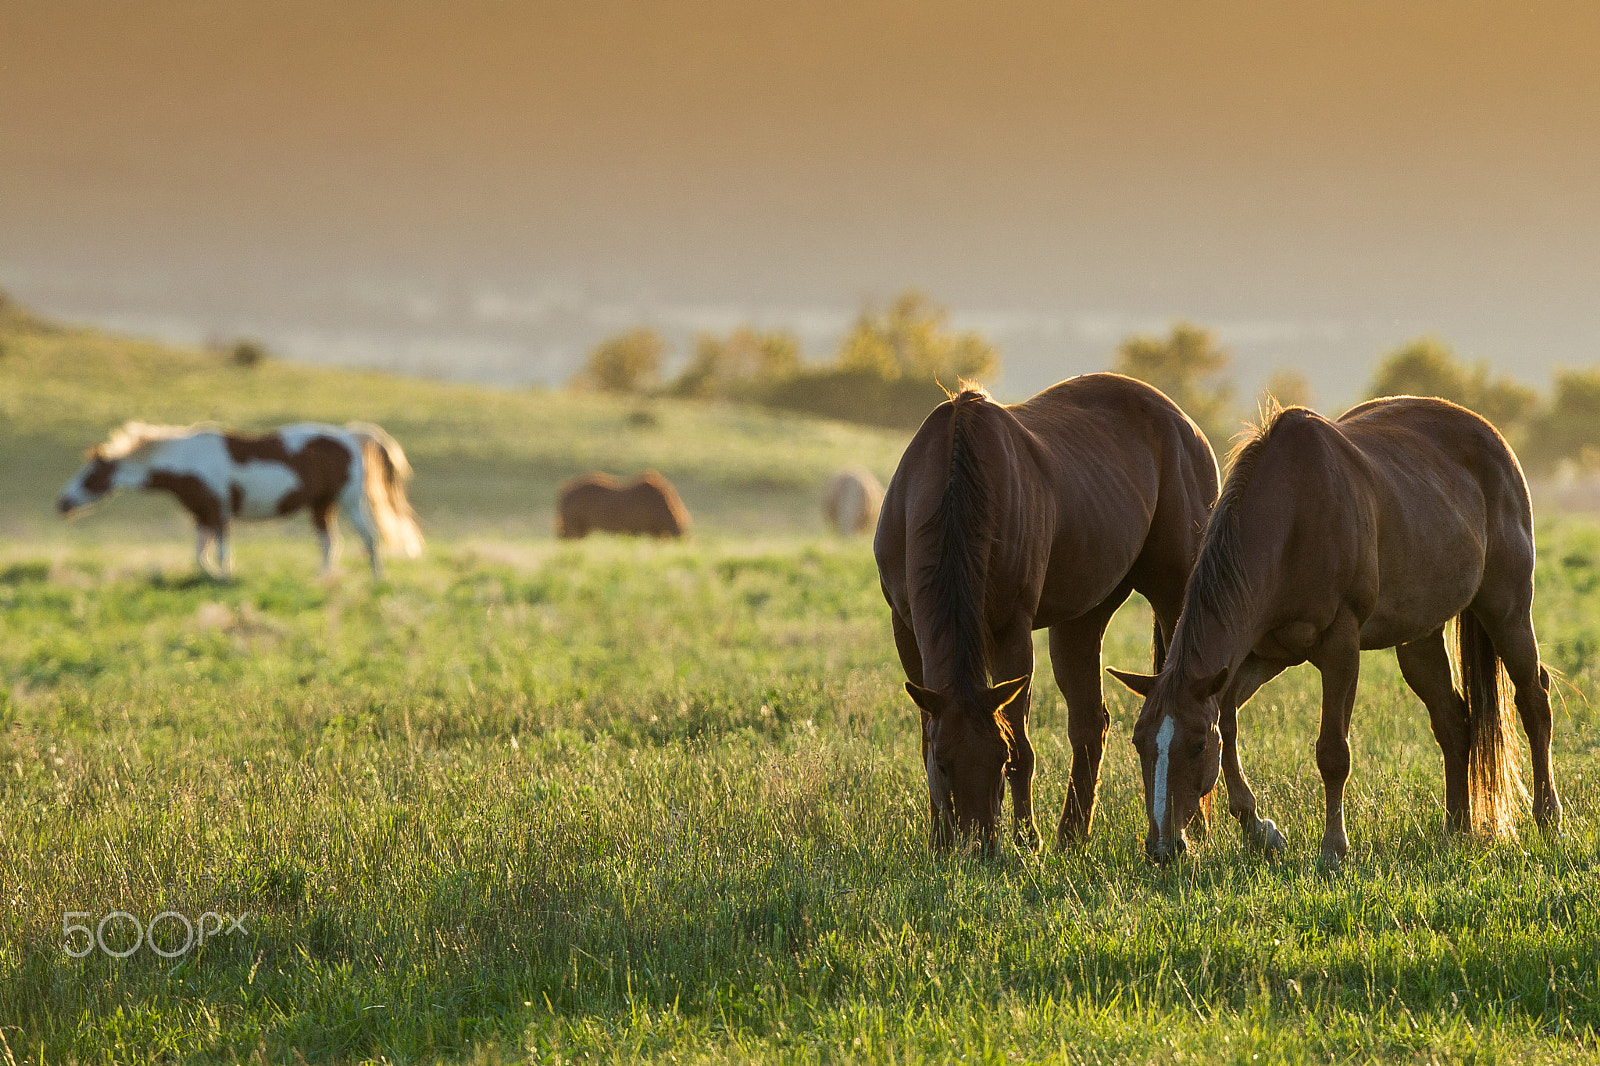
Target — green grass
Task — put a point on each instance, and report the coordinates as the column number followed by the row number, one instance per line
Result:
column 622, row 801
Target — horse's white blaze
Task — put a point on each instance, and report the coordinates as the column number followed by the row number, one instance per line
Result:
column 1163, row 748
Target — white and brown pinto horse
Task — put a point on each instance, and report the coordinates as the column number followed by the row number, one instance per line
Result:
column 220, row 476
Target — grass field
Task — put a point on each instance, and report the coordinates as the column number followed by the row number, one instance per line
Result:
column 619, row 801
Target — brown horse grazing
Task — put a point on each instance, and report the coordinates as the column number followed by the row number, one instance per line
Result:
column 1005, row 519
column 1331, row 537
column 647, row 506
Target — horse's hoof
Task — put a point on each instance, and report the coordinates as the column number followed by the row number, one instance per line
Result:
column 1265, row 837
column 1273, row 842
column 1028, row 839
column 1329, row 862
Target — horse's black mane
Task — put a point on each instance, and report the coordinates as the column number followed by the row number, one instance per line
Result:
column 1219, row 586
column 964, row 526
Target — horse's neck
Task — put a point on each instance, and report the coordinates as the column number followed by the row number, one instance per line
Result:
column 133, row 471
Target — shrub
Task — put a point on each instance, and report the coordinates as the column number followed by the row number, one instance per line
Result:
column 628, row 362
column 247, row 353
column 744, row 361
column 1428, row 367
column 911, row 338
column 1187, row 364
column 1569, row 427
column 858, row 395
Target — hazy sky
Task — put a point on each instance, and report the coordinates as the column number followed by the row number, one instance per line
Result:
column 484, row 188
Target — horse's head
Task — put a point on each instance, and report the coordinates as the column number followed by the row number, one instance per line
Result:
column 966, row 744
column 89, row 485
column 1180, row 751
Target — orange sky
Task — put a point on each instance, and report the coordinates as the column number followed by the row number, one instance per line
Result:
column 1365, row 170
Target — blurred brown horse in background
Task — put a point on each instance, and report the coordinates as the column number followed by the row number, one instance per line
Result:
column 599, row 503
column 1332, row 537
column 1005, row 519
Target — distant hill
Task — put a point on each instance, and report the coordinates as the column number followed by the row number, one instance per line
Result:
column 487, row 459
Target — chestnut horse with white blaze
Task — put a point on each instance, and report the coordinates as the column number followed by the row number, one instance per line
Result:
column 1005, row 519
column 219, row 476
column 1331, row 537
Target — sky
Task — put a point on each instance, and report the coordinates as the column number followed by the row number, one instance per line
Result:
column 483, row 190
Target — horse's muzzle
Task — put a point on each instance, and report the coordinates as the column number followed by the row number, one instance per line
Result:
column 63, row 506
column 1163, row 852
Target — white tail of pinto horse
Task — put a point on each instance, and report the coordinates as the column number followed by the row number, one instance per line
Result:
column 385, row 472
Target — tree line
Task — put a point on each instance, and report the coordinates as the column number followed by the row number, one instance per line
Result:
column 896, row 362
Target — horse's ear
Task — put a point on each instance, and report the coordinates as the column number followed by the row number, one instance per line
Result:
column 1006, row 691
column 1205, row 689
column 930, row 701
column 1141, row 684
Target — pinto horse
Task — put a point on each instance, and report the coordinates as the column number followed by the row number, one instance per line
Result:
column 1005, row 519
column 219, row 476
column 1373, row 531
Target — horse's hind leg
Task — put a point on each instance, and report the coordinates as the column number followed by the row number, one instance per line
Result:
column 327, row 533
column 1075, row 660
column 202, row 540
column 1425, row 664
column 353, row 502
column 1515, row 643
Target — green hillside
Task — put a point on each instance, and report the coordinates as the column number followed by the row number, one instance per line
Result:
column 487, row 460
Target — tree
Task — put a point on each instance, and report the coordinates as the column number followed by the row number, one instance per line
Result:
column 1428, row 367
column 628, row 362
column 1287, row 388
column 745, row 359
column 1570, row 427
column 1187, row 364
column 912, row 338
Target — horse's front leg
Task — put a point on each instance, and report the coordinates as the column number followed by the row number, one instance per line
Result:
column 1338, row 657
column 1015, row 659
column 1075, row 660
column 942, row 828
column 1259, row 833
column 204, row 537
column 224, row 553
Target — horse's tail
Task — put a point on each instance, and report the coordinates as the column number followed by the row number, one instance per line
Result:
column 385, row 472
column 1494, row 784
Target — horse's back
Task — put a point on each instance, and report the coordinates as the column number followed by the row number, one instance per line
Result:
column 1085, row 470
column 1405, row 433
column 1422, row 496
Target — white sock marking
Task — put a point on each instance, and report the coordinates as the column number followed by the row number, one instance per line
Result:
column 1163, row 745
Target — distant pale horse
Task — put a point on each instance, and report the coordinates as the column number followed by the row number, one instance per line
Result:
column 850, row 501
column 219, row 476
